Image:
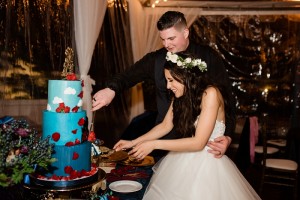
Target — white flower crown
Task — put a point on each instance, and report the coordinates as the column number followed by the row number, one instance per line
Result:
column 187, row 62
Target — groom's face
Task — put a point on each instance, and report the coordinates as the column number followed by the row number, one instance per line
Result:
column 175, row 40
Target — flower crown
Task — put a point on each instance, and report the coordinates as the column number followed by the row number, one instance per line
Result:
column 186, row 63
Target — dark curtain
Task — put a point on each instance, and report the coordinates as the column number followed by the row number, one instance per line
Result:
column 112, row 55
column 260, row 53
column 33, row 37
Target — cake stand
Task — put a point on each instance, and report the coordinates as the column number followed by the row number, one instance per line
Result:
column 44, row 191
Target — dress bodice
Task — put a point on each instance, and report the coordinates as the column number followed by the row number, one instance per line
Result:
column 219, row 129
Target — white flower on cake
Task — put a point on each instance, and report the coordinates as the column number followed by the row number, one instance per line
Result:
column 70, row 90
column 79, row 104
column 57, row 100
column 48, row 107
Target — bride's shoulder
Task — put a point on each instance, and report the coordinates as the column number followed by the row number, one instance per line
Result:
column 211, row 92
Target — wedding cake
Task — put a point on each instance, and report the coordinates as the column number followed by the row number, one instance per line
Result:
column 65, row 123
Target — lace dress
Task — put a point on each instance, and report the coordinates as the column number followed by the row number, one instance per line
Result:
column 198, row 175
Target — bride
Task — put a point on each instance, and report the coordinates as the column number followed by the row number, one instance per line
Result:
column 197, row 112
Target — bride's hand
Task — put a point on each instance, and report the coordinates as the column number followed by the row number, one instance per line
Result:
column 123, row 145
column 141, row 150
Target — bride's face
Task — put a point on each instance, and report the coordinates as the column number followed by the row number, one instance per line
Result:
column 172, row 84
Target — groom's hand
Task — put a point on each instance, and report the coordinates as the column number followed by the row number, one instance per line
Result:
column 219, row 146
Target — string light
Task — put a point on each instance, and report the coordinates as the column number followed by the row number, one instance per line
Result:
column 153, row 5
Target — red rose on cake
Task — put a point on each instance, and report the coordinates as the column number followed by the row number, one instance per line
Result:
column 71, row 77
column 62, row 108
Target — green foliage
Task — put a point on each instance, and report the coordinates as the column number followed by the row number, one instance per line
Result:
column 21, row 150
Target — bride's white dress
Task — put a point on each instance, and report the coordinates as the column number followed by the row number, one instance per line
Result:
column 198, row 175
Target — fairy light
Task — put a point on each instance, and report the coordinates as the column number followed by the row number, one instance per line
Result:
column 156, row 2
column 265, row 94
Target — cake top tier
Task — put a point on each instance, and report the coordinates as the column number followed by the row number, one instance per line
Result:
column 64, row 96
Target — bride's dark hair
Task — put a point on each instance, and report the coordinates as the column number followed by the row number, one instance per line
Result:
column 187, row 107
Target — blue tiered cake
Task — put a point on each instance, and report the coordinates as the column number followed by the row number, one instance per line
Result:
column 65, row 122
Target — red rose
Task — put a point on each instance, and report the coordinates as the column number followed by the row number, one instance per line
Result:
column 75, row 156
column 60, row 107
column 69, row 144
column 77, row 141
column 65, row 178
column 83, row 173
column 71, row 77
column 67, row 109
column 74, row 131
column 74, row 174
column 68, row 169
column 55, row 136
column 92, row 136
column 80, row 95
column 81, row 121
column 75, row 109
column 55, row 177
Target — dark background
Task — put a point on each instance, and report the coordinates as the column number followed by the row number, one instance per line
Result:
column 261, row 54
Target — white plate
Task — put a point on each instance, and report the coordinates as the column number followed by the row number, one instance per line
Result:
column 125, row 186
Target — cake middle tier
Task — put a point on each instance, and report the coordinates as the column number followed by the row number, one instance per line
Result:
column 64, row 129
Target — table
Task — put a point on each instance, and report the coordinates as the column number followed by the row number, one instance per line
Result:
column 140, row 174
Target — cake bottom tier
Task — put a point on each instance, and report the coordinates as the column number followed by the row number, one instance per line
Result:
column 70, row 160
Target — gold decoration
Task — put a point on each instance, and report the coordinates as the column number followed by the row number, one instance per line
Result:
column 68, row 64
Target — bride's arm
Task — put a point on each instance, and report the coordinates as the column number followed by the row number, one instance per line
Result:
column 155, row 133
column 206, row 122
column 159, row 130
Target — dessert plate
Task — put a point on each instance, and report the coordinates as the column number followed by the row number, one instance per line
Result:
column 125, row 186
